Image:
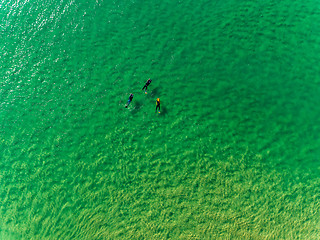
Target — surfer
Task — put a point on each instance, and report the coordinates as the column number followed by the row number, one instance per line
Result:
column 146, row 85
column 158, row 105
column 129, row 100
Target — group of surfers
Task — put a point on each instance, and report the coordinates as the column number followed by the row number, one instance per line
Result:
column 145, row 88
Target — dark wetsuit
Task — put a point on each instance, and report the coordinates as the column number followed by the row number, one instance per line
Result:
column 147, row 84
column 129, row 100
column 158, row 105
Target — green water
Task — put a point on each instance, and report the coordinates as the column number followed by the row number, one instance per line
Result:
column 234, row 153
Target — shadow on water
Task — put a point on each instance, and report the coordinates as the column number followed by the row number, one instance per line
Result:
column 137, row 106
column 155, row 92
column 163, row 111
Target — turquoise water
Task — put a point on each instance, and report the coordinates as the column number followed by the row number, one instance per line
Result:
column 234, row 152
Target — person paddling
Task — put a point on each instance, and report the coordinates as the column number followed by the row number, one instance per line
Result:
column 146, row 85
column 129, row 100
column 158, row 105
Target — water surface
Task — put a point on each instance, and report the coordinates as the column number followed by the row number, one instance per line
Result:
column 233, row 153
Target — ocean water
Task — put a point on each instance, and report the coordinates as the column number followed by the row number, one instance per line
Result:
column 234, row 153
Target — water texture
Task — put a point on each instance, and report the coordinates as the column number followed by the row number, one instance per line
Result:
column 234, row 153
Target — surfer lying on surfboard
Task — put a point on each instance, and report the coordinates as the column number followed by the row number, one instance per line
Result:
column 146, row 85
column 158, row 105
column 129, row 100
